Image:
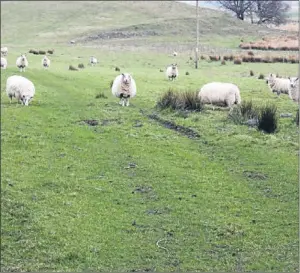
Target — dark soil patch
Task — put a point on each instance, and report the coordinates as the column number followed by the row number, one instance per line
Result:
column 109, row 121
column 91, row 122
column 255, row 175
column 142, row 189
column 190, row 133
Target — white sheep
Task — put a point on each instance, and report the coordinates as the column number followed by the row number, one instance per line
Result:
column 46, row 62
column 93, row 60
column 294, row 89
column 220, row 93
column 22, row 62
column 20, row 88
column 278, row 85
column 124, row 87
column 172, row 72
column 4, row 51
column 3, row 63
column 175, row 53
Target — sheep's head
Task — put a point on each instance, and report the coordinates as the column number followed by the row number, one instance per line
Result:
column 293, row 81
column 174, row 66
column 26, row 99
column 23, row 57
column 270, row 79
column 126, row 78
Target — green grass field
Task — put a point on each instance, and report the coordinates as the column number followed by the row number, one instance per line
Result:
column 129, row 194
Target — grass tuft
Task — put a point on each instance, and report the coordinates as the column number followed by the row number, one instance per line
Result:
column 267, row 119
column 73, row 68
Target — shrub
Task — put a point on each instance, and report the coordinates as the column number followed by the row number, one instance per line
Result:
column 80, row 65
column 50, row 51
column 202, row 57
column 297, row 117
column 187, row 100
column 261, row 76
column 187, row 73
column 71, row 67
column 223, row 62
column 243, row 112
column 34, row 51
column 160, row 70
column 267, row 119
column 117, row 68
column 237, row 61
column 101, row 95
column 42, row 52
column 251, row 73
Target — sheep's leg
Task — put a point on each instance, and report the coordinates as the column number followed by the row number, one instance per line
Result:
column 120, row 102
column 123, row 102
column 127, row 102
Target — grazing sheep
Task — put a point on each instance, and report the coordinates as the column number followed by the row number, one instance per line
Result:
column 20, row 88
column 172, row 72
column 93, row 60
column 294, row 89
column 278, row 85
column 175, row 53
column 22, row 62
column 3, row 63
column 4, row 51
column 46, row 62
column 124, row 87
column 220, row 93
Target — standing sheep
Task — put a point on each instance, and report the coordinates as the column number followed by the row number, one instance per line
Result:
column 3, row 63
column 175, row 53
column 46, row 62
column 278, row 85
column 22, row 62
column 294, row 89
column 4, row 51
column 20, row 88
column 93, row 60
column 172, row 72
column 220, row 93
column 124, row 87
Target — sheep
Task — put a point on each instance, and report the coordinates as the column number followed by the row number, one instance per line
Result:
column 22, row 62
column 124, row 87
column 4, row 51
column 278, row 85
column 46, row 62
column 172, row 72
column 294, row 89
column 20, row 88
column 93, row 60
column 220, row 93
column 3, row 63
column 175, row 53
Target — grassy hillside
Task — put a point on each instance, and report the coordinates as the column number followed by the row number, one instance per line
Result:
column 131, row 194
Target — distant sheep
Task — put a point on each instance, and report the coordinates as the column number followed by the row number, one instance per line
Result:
column 172, row 72
column 220, row 93
column 46, row 62
column 124, row 87
column 278, row 85
column 3, row 63
column 294, row 89
column 20, row 88
column 4, row 51
column 22, row 62
column 175, row 53
column 93, row 60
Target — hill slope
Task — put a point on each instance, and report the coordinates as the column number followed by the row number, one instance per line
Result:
column 58, row 22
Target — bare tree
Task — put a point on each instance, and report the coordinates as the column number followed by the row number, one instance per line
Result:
column 270, row 12
column 238, row 7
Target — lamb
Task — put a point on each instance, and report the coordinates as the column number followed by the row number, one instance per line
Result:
column 46, row 62
column 294, row 89
column 124, row 87
column 20, row 88
column 4, row 51
column 172, row 72
column 3, row 63
column 220, row 93
column 22, row 62
column 93, row 60
column 278, row 85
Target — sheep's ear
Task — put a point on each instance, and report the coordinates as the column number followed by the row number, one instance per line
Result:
column 289, row 78
column 123, row 75
column 297, row 79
